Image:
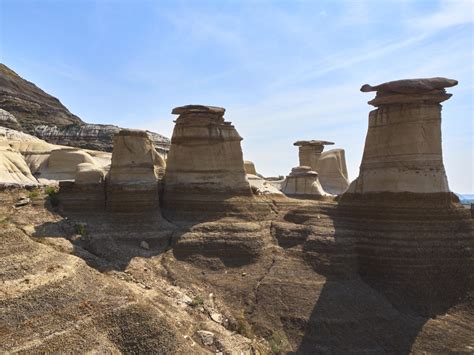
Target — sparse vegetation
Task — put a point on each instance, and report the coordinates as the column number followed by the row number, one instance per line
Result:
column 34, row 193
column 52, row 192
column 197, row 301
column 80, row 229
column 243, row 327
column 278, row 342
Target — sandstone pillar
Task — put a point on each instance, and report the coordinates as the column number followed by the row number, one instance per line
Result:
column 302, row 181
column 403, row 145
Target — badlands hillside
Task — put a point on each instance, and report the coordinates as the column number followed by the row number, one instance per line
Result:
column 194, row 252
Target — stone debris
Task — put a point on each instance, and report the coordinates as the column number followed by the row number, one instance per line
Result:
column 144, row 245
column 22, row 202
column 206, row 337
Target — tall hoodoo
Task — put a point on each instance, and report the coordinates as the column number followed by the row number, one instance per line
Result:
column 310, row 152
column 132, row 182
column 205, row 154
column 403, row 145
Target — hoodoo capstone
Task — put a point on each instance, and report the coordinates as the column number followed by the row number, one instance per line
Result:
column 403, row 146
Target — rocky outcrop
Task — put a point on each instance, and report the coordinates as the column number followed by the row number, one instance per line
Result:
column 303, row 182
column 249, row 167
column 29, row 104
column 402, row 150
column 8, row 120
column 132, row 182
column 92, row 136
column 25, row 107
column 331, row 165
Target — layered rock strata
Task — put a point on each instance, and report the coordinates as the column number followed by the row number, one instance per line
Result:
column 402, row 150
column 26, row 107
column 303, row 181
column 132, row 182
column 414, row 240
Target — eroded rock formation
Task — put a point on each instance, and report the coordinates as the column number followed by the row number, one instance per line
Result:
column 413, row 239
column 303, row 181
column 402, row 150
column 330, row 166
column 132, row 182
column 205, row 160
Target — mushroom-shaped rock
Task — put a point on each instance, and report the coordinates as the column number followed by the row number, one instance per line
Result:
column 402, row 150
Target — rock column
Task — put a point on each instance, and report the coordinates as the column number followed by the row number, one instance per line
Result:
column 310, row 152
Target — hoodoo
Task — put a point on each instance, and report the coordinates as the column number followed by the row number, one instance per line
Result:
column 302, row 181
column 132, row 183
column 427, row 264
column 330, row 165
column 403, row 145
column 205, row 161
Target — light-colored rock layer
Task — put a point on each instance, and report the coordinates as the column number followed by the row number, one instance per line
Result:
column 132, row 182
column 13, row 168
column 403, row 145
column 261, row 186
column 332, row 171
column 249, row 167
column 310, row 152
column 303, row 181
column 50, row 163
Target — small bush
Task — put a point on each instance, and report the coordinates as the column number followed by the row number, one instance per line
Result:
column 278, row 342
column 197, row 301
column 52, row 192
column 80, row 229
column 33, row 193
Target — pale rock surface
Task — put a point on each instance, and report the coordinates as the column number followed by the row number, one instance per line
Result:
column 8, row 120
column 13, row 168
column 310, row 152
column 332, row 171
column 87, row 173
column 62, row 164
column 249, row 167
column 303, row 181
column 403, row 145
column 132, row 182
column 261, row 186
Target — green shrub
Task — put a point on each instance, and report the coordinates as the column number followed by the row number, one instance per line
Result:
column 278, row 342
column 33, row 193
column 197, row 301
column 52, row 192
column 80, row 229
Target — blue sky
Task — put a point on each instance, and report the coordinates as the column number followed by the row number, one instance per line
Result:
column 284, row 70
